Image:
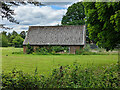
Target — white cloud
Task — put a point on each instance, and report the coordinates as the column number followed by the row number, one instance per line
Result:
column 33, row 15
column 57, row 0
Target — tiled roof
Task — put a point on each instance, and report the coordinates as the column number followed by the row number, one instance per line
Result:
column 55, row 35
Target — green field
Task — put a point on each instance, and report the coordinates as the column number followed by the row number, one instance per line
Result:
column 46, row 63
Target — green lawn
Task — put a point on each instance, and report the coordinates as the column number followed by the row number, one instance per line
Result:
column 46, row 63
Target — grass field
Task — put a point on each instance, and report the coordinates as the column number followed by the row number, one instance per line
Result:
column 46, row 63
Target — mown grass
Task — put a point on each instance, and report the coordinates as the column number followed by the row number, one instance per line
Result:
column 45, row 63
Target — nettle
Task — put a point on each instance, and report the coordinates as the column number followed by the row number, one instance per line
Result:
column 70, row 76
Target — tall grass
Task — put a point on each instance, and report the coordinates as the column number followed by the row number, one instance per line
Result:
column 69, row 76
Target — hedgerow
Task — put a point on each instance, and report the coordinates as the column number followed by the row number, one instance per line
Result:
column 70, row 76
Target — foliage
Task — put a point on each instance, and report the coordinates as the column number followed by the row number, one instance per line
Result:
column 51, row 49
column 4, row 41
column 75, row 15
column 11, row 39
column 14, row 33
column 14, row 39
column 0, row 40
column 80, row 51
column 18, row 41
column 29, row 49
column 70, row 76
column 23, row 34
column 103, row 20
column 9, row 35
column 43, row 51
column 4, row 33
column 87, row 48
column 59, row 48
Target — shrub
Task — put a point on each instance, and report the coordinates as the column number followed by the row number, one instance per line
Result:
column 80, row 51
column 29, row 49
column 87, row 48
column 70, row 76
column 42, row 51
column 50, row 50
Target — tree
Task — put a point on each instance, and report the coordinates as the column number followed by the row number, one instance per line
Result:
column 11, row 40
column 4, row 33
column 75, row 15
column 103, row 23
column 18, row 41
column 9, row 35
column 23, row 34
column 14, row 33
column 4, row 41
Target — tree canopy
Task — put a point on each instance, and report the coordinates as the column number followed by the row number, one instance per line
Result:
column 75, row 15
column 103, row 19
column 4, row 41
column 12, row 39
column 18, row 41
column 23, row 34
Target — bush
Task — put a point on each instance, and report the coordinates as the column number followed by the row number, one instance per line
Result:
column 42, row 51
column 87, row 48
column 80, row 51
column 50, row 50
column 70, row 76
column 86, row 51
column 29, row 49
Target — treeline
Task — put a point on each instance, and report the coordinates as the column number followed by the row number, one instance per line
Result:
column 12, row 39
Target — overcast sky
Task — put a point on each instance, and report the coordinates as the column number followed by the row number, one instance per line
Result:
column 29, row 15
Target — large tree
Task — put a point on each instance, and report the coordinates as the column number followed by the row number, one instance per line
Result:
column 103, row 19
column 75, row 15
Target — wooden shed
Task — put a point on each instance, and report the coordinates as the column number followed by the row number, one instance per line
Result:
column 72, row 36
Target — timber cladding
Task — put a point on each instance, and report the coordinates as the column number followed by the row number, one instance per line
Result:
column 73, row 36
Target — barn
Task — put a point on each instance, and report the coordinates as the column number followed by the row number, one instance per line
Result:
column 72, row 36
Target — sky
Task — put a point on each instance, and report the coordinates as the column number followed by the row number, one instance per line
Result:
column 29, row 15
